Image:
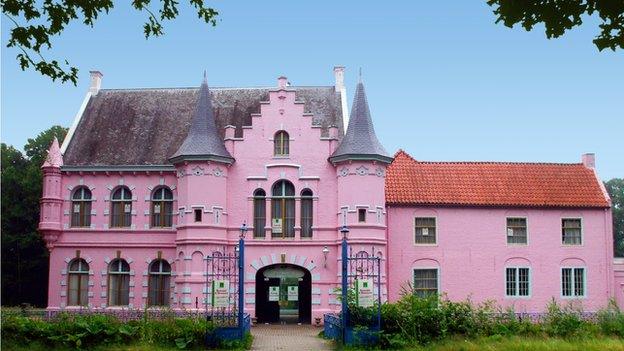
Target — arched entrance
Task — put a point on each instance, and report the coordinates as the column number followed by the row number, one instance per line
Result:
column 283, row 294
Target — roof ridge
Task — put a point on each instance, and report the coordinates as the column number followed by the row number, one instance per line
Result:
column 216, row 88
column 502, row 163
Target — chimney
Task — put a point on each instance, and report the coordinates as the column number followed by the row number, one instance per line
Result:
column 589, row 160
column 282, row 82
column 339, row 77
column 96, row 82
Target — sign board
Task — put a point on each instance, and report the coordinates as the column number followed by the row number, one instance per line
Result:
column 220, row 293
column 425, row 231
column 274, row 293
column 510, row 232
column 276, row 225
column 364, row 292
column 293, row 293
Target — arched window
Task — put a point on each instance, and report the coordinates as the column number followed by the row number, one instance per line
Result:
column 118, row 283
column 162, row 208
column 306, row 213
column 81, row 207
column 78, row 285
column 283, row 210
column 259, row 203
column 159, row 283
column 280, row 143
column 121, row 207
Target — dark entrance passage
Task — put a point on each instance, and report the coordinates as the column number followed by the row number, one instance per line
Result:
column 283, row 294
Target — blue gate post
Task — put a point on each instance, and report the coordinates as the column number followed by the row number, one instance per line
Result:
column 344, row 231
column 241, row 280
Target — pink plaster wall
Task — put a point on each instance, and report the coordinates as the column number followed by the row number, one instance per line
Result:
column 472, row 253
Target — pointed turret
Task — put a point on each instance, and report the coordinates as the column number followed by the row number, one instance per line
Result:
column 203, row 141
column 54, row 158
column 360, row 142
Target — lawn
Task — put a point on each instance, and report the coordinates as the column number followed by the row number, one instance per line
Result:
column 525, row 344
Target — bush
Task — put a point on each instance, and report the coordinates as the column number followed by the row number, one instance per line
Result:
column 565, row 321
column 611, row 320
column 85, row 331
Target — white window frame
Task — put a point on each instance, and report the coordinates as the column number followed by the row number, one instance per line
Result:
column 573, row 282
column 526, row 219
column 582, row 232
column 517, row 292
column 435, row 218
column 437, row 269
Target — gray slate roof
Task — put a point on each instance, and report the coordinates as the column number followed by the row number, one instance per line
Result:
column 203, row 140
column 128, row 127
column 360, row 141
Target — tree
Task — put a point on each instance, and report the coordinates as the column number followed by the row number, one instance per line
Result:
column 24, row 254
column 615, row 188
column 36, row 23
column 558, row 16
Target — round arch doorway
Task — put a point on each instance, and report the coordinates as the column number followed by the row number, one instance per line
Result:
column 283, row 294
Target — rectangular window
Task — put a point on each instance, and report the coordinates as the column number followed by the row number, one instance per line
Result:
column 424, row 230
column 361, row 215
column 517, row 282
column 571, row 231
column 573, row 282
column 516, row 231
column 198, row 215
column 425, row 282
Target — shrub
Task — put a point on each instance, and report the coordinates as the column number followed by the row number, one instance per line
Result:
column 564, row 321
column 611, row 320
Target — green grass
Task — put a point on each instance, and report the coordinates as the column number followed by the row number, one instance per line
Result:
column 133, row 347
column 525, row 344
column 517, row 343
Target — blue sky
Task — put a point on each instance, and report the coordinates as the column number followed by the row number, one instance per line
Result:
column 443, row 81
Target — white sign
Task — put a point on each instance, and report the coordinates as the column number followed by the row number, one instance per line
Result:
column 220, row 293
column 157, row 209
column 277, row 225
column 76, row 208
column 273, row 293
column 127, row 208
column 364, row 292
column 425, row 231
column 510, row 232
column 293, row 293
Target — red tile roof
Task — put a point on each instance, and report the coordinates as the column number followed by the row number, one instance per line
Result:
column 411, row 182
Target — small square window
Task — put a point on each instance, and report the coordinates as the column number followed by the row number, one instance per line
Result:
column 516, row 231
column 198, row 215
column 361, row 215
column 425, row 230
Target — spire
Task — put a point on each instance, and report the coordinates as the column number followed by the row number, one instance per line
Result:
column 54, row 158
column 360, row 141
column 203, row 141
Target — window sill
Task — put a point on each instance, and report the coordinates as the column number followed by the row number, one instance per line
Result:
column 281, row 157
column 517, row 245
column 426, row 245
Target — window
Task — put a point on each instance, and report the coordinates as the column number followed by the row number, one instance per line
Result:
column 573, row 282
column 280, row 144
column 571, row 231
column 159, row 283
column 259, row 203
column 81, row 207
column 162, row 208
column 283, row 210
column 516, row 230
column 517, row 282
column 306, row 213
column 118, row 283
column 425, row 282
column 121, row 205
column 198, row 215
column 425, row 230
column 361, row 215
column 78, row 286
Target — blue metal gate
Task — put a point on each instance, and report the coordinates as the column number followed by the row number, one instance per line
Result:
column 359, row 325
column 225, row 270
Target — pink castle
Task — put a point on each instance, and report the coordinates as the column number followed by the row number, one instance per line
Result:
column 150, row 182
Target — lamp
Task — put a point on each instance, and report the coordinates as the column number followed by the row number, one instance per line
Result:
column 243, row 230
column 344, row 231
column 325, row 252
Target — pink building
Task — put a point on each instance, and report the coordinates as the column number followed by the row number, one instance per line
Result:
column 151, row 182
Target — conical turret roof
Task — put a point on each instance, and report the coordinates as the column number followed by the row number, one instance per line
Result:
column 203, row 141
column 54, row 157
column 360, row 141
